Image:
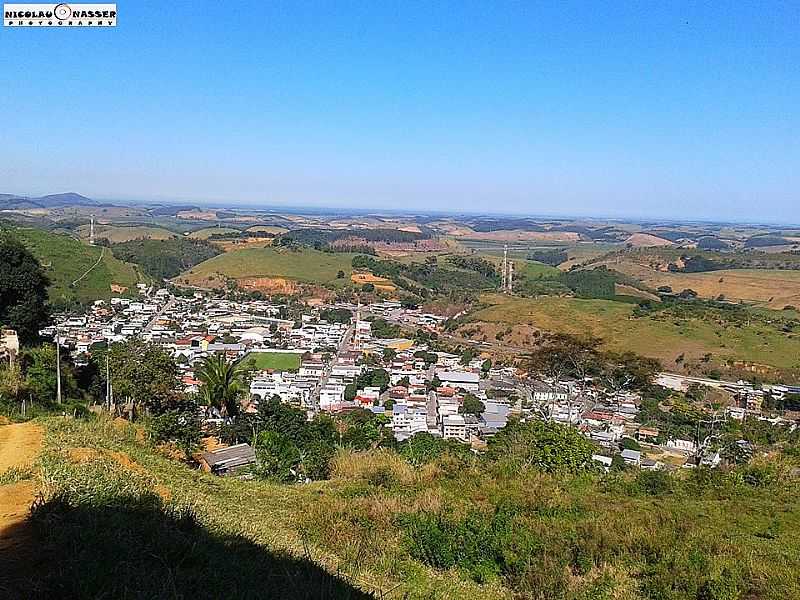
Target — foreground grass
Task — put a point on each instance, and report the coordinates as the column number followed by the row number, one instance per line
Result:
column 121, row 520
column 132, row 523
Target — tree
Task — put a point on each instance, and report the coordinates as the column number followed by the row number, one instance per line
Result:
column 423, row 448
column 472, row 405
column 179, row 425
column 629, row 444
column 223, row 383
column 23, row 290
column 546, row 446
column 554, row 357
column 340, row 274
column 389, row 355
column 630, row 371
column 277, row 457
column 12, row 383
column 141, row 373
column 466, row 356
column 40, row 374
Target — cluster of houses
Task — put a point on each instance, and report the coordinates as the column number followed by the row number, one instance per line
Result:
column 455, row 397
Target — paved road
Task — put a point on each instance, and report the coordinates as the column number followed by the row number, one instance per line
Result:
column 157, row 316
column 344, row 346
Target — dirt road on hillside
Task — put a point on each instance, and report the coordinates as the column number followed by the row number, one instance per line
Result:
column 19, row 445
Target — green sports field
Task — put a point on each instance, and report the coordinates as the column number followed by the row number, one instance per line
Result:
column 273, row 361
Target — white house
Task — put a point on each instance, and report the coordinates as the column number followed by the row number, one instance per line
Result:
column 454, row 428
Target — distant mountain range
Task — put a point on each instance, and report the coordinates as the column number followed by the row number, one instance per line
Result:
column 14, row 201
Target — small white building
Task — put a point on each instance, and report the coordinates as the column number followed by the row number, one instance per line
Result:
column 454, row 428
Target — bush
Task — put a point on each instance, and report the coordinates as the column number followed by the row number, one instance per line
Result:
column 483, row 545
column 547, row 446
column 654, row 483
column 180, row 427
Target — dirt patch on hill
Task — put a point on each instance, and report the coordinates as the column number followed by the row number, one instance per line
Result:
column 501, row 334
column 269, row 285
column 643, row 240
column 83, row 455
column 88, row 455
column 15, row 505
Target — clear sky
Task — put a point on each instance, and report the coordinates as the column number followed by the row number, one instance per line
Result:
column 588, row 108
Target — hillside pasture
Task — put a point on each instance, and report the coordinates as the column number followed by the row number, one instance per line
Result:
column 124, row 233
column 771, row 288
column 66, row 259
column 305, row 265
column 661, row 338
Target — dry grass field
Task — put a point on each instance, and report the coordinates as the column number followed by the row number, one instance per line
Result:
column 770, row 288
column 661, row 338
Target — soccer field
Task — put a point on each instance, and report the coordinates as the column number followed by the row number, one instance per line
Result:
column 274, row 361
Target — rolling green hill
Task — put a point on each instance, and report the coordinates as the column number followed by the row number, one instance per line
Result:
column 67, row 260
column 304, row 265
column 662, row 335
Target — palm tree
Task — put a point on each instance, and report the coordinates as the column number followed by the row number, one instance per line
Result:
column 223, row 383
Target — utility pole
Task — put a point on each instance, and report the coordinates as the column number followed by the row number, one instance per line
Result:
column 108, row 384
column 504, row 283
column 58, row 367
column 91, row 232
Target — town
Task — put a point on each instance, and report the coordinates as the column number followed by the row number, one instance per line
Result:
column 315, row 363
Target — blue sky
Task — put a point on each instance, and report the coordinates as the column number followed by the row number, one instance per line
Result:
column 670, row 109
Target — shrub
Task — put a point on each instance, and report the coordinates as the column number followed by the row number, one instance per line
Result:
column 547, row 446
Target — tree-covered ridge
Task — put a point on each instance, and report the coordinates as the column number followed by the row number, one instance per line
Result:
column 426, row 279
column 324, row 238
column 699, row 260
column 164, row 259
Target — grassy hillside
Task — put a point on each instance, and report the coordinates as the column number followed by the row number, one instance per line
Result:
column 206, row 232
column 126, row 233
column 452, row 528
column 657, row 336
column 305, row 265
column 766, row 287
column 66, row 260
